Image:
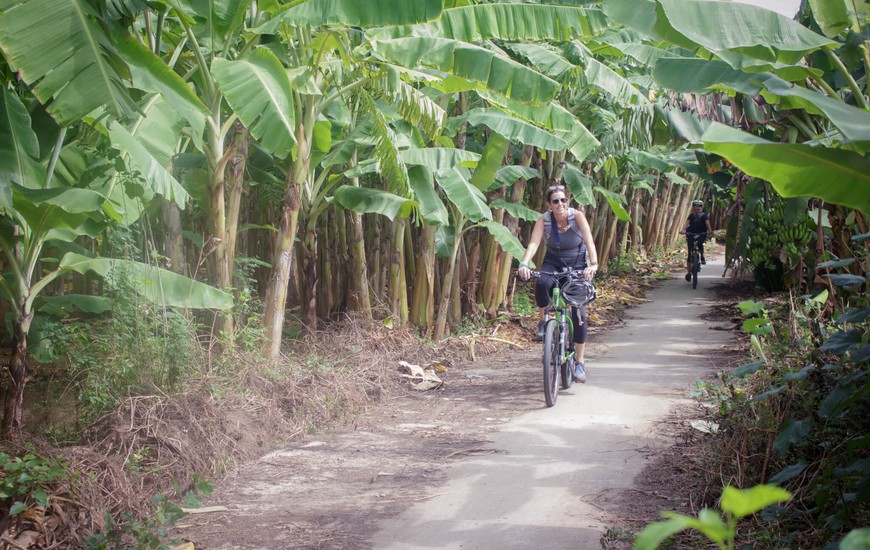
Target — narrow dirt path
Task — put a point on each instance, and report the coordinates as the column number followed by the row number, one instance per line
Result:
column 554, row 469
column 481, row 463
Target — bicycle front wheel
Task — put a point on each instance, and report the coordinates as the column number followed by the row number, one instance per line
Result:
column 568, row 366
column 552, row 361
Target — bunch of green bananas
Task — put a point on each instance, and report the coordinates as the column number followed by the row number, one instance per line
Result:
column 771, row 236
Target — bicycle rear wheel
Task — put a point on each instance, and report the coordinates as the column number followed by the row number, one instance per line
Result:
column 551, row 361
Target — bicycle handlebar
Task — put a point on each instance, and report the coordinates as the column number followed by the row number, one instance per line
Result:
column 695, row 234
column 568, row 273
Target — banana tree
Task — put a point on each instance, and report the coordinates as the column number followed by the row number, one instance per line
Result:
column 38, row 212
column 761, row 60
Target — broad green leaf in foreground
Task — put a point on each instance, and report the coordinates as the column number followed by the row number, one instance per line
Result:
column 621, row 90
column 700, row 76
column 741, row 503
column 65, row 55
column 835, row 175
column 258, row 89
column 579, row 184
column 751, row 30
column 19, row 148
column 615, row 202
column 156, row 285
column 150, row 73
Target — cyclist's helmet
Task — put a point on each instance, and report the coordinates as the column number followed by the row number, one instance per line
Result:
column 697, row 202
column 579, row 292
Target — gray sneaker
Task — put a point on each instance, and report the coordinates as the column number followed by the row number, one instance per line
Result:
column 580, row 372
column 540, row 334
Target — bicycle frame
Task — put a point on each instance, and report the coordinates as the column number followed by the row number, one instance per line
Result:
column 558, row 313
column 694, row 255
column 559, row 309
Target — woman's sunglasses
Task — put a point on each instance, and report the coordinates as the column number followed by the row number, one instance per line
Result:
column 555, row 187
column 563, row 200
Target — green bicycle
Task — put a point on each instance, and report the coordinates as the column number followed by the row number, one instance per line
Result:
column 570, row 291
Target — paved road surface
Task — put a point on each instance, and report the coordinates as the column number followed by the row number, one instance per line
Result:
column 555, row 464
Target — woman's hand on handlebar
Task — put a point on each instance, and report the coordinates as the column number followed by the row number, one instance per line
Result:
column 524, row 273
column 590, row 272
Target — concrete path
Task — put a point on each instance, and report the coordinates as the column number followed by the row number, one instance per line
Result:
column 540, row 490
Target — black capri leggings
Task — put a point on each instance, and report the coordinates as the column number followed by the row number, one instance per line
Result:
column 544, row 288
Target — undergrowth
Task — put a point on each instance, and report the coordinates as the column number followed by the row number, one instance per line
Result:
column 796, row 415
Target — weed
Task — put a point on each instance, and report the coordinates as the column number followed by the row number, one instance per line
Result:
column 25, row 481
column 132, row 350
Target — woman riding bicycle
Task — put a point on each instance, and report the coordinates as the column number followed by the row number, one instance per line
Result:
column 569, row 243
column 698, row 225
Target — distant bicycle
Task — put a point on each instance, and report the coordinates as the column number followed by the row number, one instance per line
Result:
column 571, row 290
column 694, row 256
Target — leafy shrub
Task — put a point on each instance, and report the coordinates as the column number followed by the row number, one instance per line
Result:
column 135, row 349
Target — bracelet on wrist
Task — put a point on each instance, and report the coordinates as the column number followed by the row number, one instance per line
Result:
column 524, row 264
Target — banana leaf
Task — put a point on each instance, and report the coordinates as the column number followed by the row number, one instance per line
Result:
column 155, row 174
column 19, row 148
column 835, row 175
column 508, row 242
column 440, row 158
column 154, row 284
column 353, row 13
column 831, row 15
column 509, row 21
column 501, row 75
column 581, row 142
column 431, row 207
column 258, row 89
column 606, row 79
column 467, row 198
column 510, row 128
column 366, row 200
column 518, row 211
column 67, row 57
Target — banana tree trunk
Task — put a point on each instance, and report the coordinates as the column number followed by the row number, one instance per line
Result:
column 472, row 280
column 309, row 278
column 241, row 139
column 398, row 286
column 173, row 241
column 423, row 301
column 282, row 256
column 447, row 281
column 12, row 421
column 455, row 316
column 359, row 299
column 651, row 211
column 636, row 221
column 217, row 219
